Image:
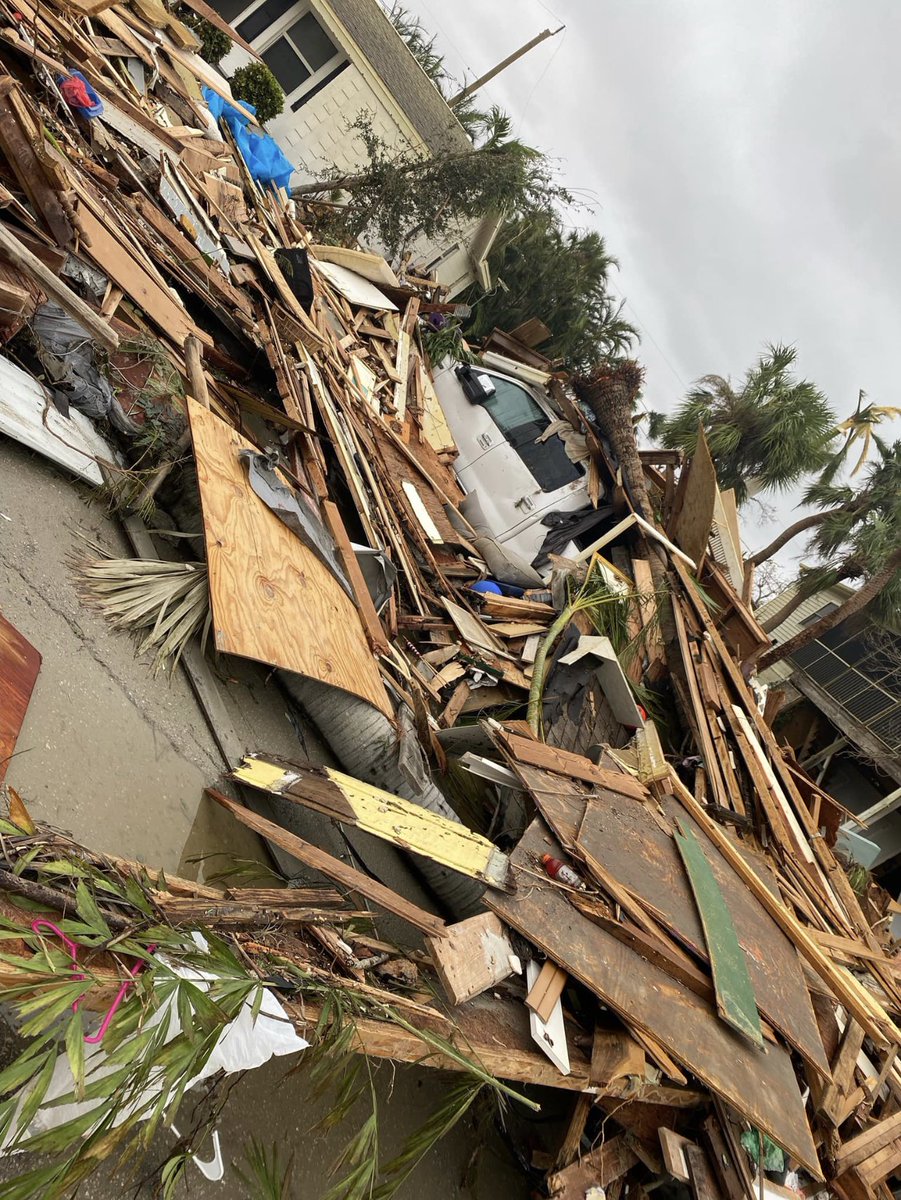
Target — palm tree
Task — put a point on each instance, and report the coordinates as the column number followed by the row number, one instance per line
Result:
column 859, row 538
column 844, row 528
column 764, row 435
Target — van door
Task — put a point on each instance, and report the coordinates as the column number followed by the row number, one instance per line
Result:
column 516, row 477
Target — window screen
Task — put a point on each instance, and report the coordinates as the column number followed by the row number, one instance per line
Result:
column 521, row 421
column 261, row 18
column 313, row 42
column 285, row 64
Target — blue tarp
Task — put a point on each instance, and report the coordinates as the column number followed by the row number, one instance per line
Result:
column 263, row 155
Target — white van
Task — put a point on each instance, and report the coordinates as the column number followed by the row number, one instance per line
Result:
column 496, row 418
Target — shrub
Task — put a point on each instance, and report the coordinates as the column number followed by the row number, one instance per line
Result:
column 214, row 44
column 256, row 84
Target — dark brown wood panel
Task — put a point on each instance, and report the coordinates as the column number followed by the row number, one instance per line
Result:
column 625, row 839
column 761, row 1085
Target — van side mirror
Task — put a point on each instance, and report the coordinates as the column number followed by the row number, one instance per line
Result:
column 477, row 386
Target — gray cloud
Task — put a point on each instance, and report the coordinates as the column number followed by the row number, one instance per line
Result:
column 743, row 164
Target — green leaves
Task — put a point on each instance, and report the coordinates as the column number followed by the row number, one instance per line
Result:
column 75, row 1052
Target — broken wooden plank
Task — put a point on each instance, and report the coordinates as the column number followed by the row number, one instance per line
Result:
column 19, row 667
column 391, row 818
column 690, row 525
column 372, row 624
column 599, row 1169
column 474, row 955
column 563, row 762
column 735, row 998
column 549, row 1033
column 319, row 860
column 761, row 1086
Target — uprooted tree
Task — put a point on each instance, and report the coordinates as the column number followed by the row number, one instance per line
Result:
column 399, row 195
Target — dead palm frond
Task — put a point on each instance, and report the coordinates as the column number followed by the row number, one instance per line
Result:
column 167, row 602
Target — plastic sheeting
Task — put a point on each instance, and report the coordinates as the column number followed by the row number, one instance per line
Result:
column 66, row 351
column 242, row 1046
column 263, row 155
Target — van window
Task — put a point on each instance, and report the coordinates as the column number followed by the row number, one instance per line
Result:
column 521, row 421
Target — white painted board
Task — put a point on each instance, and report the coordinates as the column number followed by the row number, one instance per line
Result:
column 549, row 1035
column 356, row 290
column 27, row 416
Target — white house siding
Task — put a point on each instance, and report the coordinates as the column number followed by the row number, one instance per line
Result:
column 780, row 671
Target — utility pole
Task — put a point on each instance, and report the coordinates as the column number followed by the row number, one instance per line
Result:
column 502, row 66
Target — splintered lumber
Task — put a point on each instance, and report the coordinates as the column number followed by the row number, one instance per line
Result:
column 673, row 1146
column 600, row 1168
column 497, row 1038
column 563, row 762
column 273, row 599
column 474, row 955
column 865, row 1009
column 858, row 1149
column 695, row 502
column 319, row 860
column 384, row 815
column 703, row 1180
column 184, row 910
column 20, row 256
column 19, row 667
column 735, row 998
column 375, row 633
column 760, row 1085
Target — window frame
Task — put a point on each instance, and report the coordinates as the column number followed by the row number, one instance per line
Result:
column 280, row 29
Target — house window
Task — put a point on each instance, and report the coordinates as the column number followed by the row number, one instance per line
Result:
column 295, row 47
column 819, row 614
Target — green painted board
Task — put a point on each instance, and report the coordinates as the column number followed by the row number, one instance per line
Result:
column 735, row 1000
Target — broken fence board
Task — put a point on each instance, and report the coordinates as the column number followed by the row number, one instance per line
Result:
column 319, row 860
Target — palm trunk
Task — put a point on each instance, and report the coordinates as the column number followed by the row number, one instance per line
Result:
column 808, row 522
column 854, row 604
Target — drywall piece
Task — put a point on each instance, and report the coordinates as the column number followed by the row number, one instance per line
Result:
column 272, row 598
column 549, row 1035
column 27, row 415
column 19, row 666
column 369, row 266
column 356, row 290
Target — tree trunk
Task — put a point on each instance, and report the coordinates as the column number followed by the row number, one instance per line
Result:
column 808, row 522
column 854, row 604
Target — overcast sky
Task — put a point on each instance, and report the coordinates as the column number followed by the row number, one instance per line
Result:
column 742, row 160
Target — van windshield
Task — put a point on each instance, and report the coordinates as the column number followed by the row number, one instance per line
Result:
column 521, row 421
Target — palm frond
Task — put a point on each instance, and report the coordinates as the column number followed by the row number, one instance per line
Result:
column 167, row 602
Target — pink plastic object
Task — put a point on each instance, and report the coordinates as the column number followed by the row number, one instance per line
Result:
column 97, row 1037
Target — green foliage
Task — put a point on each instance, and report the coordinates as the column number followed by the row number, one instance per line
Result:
column 267, row 1176
column 214, row 44
column 540, row 269
column 445, row 342
column 398, row 196
column 771, row 432
column 256, row 85
column 422, row 46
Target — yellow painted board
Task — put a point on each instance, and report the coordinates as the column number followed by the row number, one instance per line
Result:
column 385, row 816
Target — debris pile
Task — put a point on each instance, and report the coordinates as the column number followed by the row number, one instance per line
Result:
column 665, row 929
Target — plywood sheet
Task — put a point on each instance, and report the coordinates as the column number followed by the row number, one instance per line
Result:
column 623, row 837
column 272, row 599
column 19, row 666
column 690, row 528
column 761, row 1085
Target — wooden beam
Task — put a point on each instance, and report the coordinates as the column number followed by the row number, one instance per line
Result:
column 319, row 860
column 15, row 252
column 404, row 824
